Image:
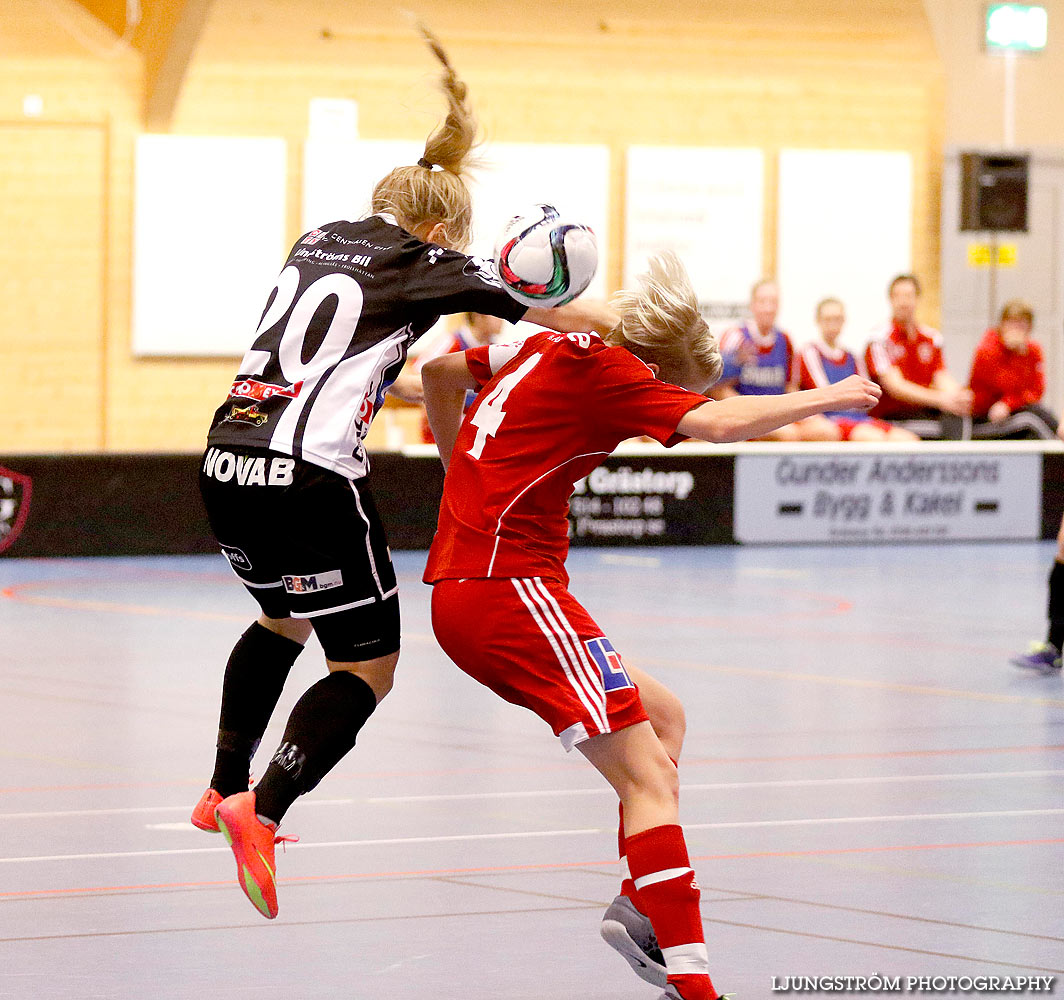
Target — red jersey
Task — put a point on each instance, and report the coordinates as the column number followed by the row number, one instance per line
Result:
column 918, row 359
column 1001, row 374
column 550, row 410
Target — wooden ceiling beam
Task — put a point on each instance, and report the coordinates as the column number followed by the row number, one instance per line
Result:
column 111, row 13
column 168, row 34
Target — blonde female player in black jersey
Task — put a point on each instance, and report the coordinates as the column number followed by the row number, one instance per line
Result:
column 284, row 475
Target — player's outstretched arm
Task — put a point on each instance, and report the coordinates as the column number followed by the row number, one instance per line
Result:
column 407, row 386
column 739, row 418
column 578, row 316
column 446, row 380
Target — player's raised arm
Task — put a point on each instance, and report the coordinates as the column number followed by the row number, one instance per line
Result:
column 446, row 380
column 578, row 316
column 739, row 418
column 407, row 386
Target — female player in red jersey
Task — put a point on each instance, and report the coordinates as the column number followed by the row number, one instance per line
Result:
column 284, row 475
column 548, row 412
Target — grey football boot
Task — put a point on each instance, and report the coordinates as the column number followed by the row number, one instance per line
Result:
column 627, row 931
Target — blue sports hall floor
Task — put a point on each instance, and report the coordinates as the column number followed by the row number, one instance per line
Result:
column 868, row 787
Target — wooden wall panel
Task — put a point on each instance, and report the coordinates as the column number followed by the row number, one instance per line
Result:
column 52, row 285
column 810, row 73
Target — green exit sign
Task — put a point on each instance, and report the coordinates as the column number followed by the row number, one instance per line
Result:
column 1017, row 27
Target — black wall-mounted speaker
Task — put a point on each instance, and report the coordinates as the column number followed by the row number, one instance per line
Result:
column 994, row 192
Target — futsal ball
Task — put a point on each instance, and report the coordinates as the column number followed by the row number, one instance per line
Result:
column 544, row 259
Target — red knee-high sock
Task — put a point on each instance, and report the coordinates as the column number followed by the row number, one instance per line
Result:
column 627, row 885
column 668, row 894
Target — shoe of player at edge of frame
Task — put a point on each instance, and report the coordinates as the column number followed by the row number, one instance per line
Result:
column 1041, row 657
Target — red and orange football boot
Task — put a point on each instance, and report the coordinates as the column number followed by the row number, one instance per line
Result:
column 203, row 814
column 252, row 842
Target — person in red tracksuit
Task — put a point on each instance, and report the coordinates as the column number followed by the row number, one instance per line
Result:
column 1008, row 380
column 905, row 358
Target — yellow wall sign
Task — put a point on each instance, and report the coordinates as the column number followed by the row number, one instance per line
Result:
column 979, row 255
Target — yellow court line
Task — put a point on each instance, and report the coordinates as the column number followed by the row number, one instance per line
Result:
column 828, row 679
column 76, row 604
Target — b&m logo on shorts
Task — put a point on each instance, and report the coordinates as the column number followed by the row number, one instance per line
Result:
column 312, row 584
column 608, row 661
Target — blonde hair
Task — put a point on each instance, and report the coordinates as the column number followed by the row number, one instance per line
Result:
column 1017, row 309
column 661, row 324
column 762, row 283
column 829, row 301
column 419, row 194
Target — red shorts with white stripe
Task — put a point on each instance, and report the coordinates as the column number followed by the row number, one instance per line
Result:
column 847, row 425
column 534, row 645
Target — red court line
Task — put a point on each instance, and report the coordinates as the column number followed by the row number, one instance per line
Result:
column 830, row 605
column 553, row 866
column 885, row 754
column 537, row 768
column 13, row 592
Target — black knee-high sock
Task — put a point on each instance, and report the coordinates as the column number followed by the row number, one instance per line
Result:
column 1056, row 604
column 320, row 731
column 254, row 677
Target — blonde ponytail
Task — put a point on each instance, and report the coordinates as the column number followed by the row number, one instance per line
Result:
column 434, row 191
column 453, row 141
column 661, row 324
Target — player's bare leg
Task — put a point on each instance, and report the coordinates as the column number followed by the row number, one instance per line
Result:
column 637, row 765
column 625, row 927
column 864, row 433
column 663, row 708
column 378, row 673
column 818, row 428
column 901, row 434
column 296, row 629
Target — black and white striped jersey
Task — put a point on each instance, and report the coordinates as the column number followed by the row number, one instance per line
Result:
column 350, row 300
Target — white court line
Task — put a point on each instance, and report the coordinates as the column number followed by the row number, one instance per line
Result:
column 530, row 834
column 563, row 792
column 332, row 843
column 719, row 785
column 132, row 810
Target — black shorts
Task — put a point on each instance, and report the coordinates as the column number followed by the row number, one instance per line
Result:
column 307, row 543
